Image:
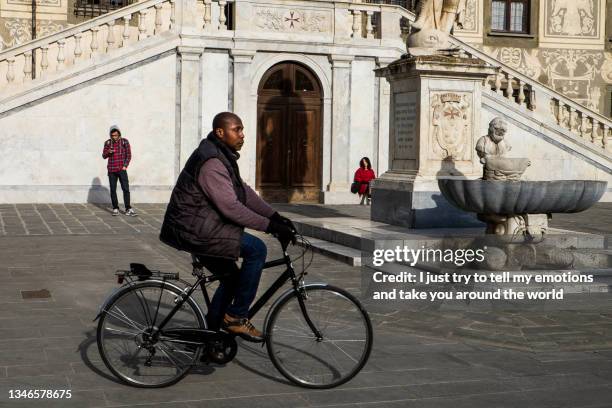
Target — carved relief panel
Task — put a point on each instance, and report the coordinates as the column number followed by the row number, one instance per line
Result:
column 451, row 126
column 293, row 20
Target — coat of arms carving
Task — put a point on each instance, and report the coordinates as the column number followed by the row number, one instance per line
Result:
column 451, row 126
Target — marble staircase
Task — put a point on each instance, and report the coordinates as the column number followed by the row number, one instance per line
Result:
column 127, row 39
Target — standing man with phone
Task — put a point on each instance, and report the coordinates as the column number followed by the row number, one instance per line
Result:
column 117, row 151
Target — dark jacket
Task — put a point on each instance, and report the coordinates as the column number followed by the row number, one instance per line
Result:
column 192, row 222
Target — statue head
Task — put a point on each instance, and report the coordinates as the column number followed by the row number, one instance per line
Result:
column 497, row 129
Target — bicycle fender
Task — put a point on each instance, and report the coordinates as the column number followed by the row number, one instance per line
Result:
column 167, row 283
column 285, row 295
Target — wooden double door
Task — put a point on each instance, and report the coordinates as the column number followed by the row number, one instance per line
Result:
column 289, row 135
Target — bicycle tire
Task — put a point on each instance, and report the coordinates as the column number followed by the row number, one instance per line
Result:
column 310, row 362
column 126, row 320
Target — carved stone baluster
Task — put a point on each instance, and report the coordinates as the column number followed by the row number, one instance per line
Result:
column 77, row 46
column 369, row 28
column 126, row 30
column 10, row 73
column 605, row 139
column 172, row 13
column 595, row 132
column 142, row 27
column 207, row 14
column 521, row 94
column 509, row 89
column 158, row 18
column 222, row 16
column 60, row 55
column 110, row 37
column 27, row 66
column 489, row 82
column 356, row 23
column 498, row 83
column 94, row 40
column 44, row 60
column 583, row 125
column 560, row 113
column 572, row 119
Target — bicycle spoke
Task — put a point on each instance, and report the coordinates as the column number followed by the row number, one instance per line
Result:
column 122, row 331
column 319, row 362
column 126, row 346
column 126, row 319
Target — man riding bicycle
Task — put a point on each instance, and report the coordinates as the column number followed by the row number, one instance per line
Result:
column 209, row 208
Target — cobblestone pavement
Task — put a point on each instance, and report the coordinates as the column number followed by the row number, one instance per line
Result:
column 58, row 219
column 416, row 362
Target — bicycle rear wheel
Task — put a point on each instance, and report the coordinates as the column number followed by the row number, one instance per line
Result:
column 124, row 342
column 326, row 361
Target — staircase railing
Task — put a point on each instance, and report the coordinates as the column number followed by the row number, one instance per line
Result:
column 527, row 93
column 94, row 37
column 368, row 22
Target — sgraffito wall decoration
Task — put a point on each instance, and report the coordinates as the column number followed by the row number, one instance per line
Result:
column 16, row 31
column 581, row 75
column 572, row 18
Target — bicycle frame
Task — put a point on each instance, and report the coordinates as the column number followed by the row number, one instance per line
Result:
column 191, row 335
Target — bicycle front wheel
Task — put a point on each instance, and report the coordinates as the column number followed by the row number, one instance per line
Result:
column 331, row 354
column 124, row 342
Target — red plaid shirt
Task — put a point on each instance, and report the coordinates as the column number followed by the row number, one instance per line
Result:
column 121, row 156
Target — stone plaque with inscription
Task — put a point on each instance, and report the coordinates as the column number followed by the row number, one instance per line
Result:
column 405, row 123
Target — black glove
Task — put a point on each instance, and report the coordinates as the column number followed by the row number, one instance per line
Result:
column 276, row 217
column 281, row 231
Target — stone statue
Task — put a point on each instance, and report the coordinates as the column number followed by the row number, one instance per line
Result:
column 492, row 148
column 433, row 25
column 493, row 144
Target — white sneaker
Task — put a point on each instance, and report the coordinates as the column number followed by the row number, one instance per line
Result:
column 115, row 212
column 131, row 213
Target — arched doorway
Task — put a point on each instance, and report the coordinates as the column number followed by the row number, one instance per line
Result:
column 289, row 134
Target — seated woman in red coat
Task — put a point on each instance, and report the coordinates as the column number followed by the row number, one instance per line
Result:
column 364, row 175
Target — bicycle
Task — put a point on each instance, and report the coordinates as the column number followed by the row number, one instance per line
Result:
column 151, row 331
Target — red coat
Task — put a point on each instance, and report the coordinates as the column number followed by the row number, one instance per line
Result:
column 364, row 176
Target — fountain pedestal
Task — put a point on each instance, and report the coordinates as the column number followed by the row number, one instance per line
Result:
column 434, row 123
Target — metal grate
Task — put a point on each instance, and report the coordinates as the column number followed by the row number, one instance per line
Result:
column 94, row 8
column 35, row 294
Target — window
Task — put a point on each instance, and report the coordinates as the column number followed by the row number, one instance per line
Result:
column 275, row 81
column 510, row 16
column 302, row 83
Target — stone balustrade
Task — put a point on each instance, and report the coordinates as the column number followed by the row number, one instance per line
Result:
column 56, row 52
column 545, row 102
column 340, row 21
column 354, row 21
column 366, row 20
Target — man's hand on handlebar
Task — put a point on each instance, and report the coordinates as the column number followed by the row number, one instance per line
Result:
column 276, row 217
column 283, row 232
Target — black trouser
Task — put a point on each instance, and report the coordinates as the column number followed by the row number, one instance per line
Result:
column 125, row 187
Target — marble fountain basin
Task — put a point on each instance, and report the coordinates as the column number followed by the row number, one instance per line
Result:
column 522, row 197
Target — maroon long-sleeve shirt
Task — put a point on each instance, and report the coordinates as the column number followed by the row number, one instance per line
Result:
column 217, row 185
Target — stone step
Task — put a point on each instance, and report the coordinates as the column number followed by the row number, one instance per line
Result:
column 358, row 237
column 338, row 252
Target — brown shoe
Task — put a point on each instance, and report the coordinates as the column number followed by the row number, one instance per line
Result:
column 243, row 328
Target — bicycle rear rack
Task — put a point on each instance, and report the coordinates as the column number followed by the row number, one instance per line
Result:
column 140, row 272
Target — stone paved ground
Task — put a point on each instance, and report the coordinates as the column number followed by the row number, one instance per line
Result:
column 73, row 251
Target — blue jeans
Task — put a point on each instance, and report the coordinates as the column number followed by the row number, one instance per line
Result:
column 236, row 292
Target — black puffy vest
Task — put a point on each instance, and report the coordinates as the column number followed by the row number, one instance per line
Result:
column 192, row 222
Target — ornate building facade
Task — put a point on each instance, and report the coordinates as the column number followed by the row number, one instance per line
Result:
column 564, row 44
